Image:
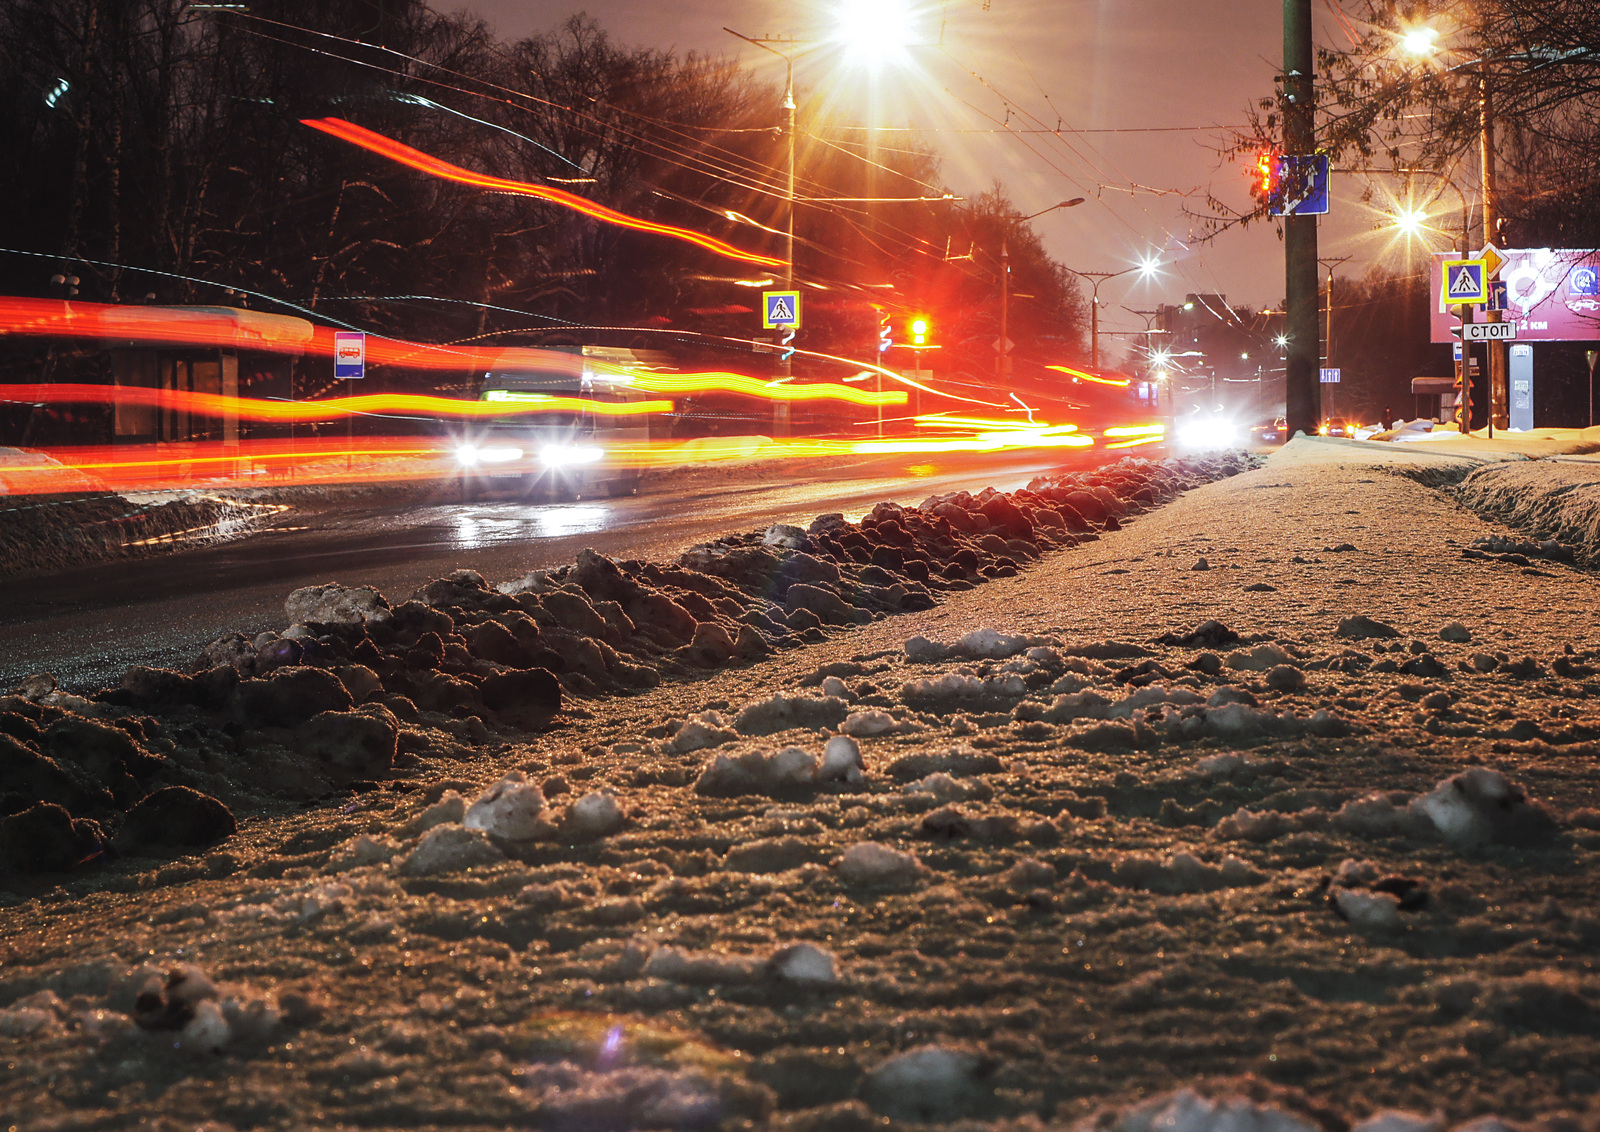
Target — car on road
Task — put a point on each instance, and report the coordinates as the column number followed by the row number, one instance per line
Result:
column 1275, row 431
column 580, row 446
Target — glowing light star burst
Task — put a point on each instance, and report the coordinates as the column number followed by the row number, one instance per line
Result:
column 1411, row 221
column 1420, row 40
column 874, row 32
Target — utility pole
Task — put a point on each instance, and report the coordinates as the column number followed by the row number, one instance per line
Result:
column 1302, row 391
column 1002, row 361
column 780, row 409
column 1494, row 352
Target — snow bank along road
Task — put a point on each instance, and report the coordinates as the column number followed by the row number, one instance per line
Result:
column 87, row 624
column 1274, row 809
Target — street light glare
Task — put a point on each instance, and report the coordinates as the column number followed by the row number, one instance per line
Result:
column 1420, row 40
column 1411, row 221
column 874, row 32
column 1149, row 267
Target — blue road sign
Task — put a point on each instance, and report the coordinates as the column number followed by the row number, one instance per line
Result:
column 1584, row 281
column 1330, row 375
column 349, row 354
column 1302, row 185
column 780, row 310
column 1464, row 282
column 1497, row 294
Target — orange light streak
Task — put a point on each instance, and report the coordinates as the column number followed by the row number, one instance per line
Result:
column 721, row 382
column 1120, row 383
column 249, row 330
column 433, row 166
column 1136, row 441
column 251, row 409
column 1137, row 430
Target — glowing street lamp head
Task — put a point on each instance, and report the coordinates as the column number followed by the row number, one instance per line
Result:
column 1421, row 40
column 1149, row 267
column 1281, row 341
column 874, row 32
column 1411, row 221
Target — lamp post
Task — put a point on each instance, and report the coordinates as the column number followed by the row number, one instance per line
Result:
column 1002, row 361
column 780, row 409
column 1148, row 267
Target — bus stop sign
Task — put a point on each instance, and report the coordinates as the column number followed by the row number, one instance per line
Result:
column 349, row 354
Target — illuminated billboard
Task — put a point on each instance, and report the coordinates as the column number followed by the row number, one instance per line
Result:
column 1553, row 295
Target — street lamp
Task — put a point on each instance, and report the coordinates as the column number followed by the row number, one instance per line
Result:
column 1146, row 267
column 1002, row 361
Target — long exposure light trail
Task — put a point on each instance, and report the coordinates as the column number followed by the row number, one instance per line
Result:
column 435, row 167
column 1083, row 375
column 249, row 330
column 721, row 382
column 254, row 409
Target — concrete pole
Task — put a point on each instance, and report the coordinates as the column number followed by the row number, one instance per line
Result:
column 780, row 409
column 1094, row 327
column 1495, row 352
column 1302, row 393
column 1002, row 364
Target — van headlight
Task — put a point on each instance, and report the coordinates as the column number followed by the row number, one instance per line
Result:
column 565, row 455
column 469, row 455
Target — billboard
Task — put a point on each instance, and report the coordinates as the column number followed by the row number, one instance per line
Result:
column 1552, row 294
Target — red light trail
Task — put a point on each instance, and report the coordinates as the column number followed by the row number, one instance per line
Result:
column 434, row 167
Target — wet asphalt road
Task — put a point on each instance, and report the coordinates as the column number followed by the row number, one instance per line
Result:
column 89, row 624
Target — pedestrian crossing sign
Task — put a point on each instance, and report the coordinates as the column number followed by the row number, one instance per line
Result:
column 780, row 310
column 1465, row 282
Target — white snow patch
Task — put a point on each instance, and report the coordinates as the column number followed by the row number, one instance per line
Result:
column 1393, row 1120
column 833, row 686
column 841, row 758
column 758, row 772
column 448, row 849
column 804, row 963
column 37, row 1015
column 708, row 729
column 954, row 686
column 984, row 644
column 568, row 1096
column 1258, row 659
column 1188, row 1111
column 872, row 722
column 595, row 815
column 930, row 1083
column 782, row 712
column 449, row 809
column 869, row 863
column 512, row 808
column 1368, row 911
column 1149, row 696
column 944, row 788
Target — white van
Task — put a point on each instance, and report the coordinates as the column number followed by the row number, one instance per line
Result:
column 567, row 453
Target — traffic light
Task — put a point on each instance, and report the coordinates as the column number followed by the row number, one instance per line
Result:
column 1265, row 179
column 919, row 331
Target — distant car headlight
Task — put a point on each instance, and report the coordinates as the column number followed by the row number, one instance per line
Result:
column 467, row 455
column 565, row 455
column 1207, row 434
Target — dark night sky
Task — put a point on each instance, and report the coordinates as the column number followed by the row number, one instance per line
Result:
column 1092, row 65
